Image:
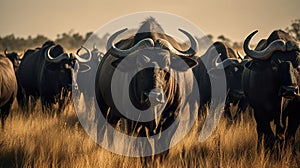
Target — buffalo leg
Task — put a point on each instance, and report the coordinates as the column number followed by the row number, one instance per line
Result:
column 101, row 128
column 227, row 111
column 293, row 115
column 291, row 130
column 113, row 121
column 264, row 131
column 23, row 101
column 5, row 111
column 241, row 111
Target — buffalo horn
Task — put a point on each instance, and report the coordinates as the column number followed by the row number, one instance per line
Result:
column 277, row 45
column 82, row 59
column 56, row 59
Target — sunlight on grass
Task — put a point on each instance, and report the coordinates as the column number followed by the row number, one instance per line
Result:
column 43, row 140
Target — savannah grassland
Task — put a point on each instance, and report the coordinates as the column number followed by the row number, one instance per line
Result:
column 35, row 139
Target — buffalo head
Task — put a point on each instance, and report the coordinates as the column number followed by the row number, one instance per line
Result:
column 226, row 61
column 282, row 55
column 153, row 60
column 63, row 66
column 14, row 57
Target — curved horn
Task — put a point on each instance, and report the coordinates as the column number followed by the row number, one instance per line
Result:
column 225, row 63
column 119, row 53
column 194, row 44
column 5, row 52
column 167, row 45
column 240, row 55
column 82, row 59
column 277, row 45
column 189, row 52
column 77, row 52
column 149, row 42
column 111, row 39
column 86, row 70
column 56, row 59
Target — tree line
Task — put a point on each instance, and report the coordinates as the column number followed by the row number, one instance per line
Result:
column 68, row 40
column 73, row 40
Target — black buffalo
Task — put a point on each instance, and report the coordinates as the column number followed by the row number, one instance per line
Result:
column 220, row 60
column 150, row 56
column 47, row 73
column 8, row 89
column 14, row 57
column 87, row 72
column 271, row 84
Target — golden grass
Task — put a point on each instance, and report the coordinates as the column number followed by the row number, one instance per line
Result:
column 40, row 140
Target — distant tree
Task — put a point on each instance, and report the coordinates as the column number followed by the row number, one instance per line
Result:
column 88, row 35
column 237, row 45
column 294, row 29
column 70, row 40
column 77, row 40
column 92, row 39
column 210, row 37
column 8, row 42
column 205, row 41
column 224, row 39
column 38, row 40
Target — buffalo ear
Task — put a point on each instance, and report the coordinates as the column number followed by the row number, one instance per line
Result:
column 124, row 65
column 183, row 63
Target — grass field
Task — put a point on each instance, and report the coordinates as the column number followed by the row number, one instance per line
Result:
column 39, row 140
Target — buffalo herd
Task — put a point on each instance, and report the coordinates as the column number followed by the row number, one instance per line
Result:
column 159, row 76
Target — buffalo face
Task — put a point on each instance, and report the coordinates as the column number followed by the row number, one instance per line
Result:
column 153, row 60
column 14, row 57
column 152, row 80
column 288, row 76
column 63, row 67
column 233, row 70
column 234, row 78
column 284, row 59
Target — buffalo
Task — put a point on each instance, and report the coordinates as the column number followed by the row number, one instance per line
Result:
column 233, row 67
column 47, row 73
column 87, row 72
column 271, row 84
column 8, row 87
column 14, row 57
column 152, row 67
column 220, row 60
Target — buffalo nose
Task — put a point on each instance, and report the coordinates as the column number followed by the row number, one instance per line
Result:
column 156, row 97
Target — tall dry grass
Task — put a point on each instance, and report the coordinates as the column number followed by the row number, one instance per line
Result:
column 43, row 140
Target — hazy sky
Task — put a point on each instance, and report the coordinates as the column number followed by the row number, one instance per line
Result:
column 233, row 18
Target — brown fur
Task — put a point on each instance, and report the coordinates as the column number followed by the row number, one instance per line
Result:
column 8, row 86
